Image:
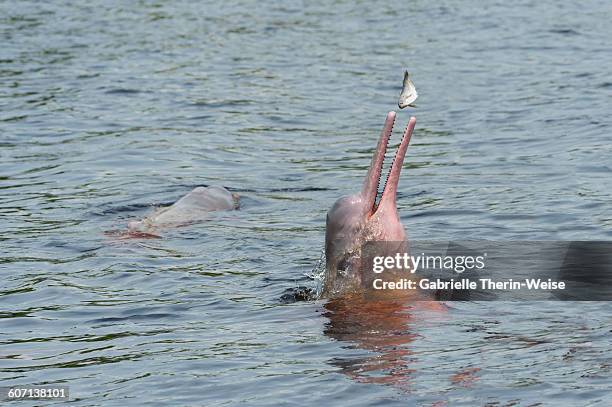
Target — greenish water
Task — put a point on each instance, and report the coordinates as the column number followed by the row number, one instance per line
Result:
column 108, row 109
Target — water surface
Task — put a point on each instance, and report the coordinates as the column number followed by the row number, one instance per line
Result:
column 108, row 109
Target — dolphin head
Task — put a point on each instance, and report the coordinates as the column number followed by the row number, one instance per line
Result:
column 356, row 219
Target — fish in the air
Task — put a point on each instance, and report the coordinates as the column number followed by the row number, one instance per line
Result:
column 409, row 93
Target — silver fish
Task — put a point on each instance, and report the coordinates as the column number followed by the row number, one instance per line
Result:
column 409, row 93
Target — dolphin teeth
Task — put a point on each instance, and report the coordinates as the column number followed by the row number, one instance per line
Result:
column 390, row 167
column 382, row 164
column 394, row 158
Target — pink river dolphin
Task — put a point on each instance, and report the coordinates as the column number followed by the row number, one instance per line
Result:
column 191, row 208
column 356, row 219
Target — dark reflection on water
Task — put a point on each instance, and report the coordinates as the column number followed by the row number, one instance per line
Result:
column 381, row 327
column 110, row 109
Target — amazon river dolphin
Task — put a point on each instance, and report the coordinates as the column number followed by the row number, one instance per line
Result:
column 193, row 207
column 357, row 219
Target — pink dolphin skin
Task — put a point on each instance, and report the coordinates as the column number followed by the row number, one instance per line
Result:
column 356, row 219
column 193, row 207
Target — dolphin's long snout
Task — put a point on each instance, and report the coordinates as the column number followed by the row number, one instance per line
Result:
column 372, row 179
column 389, row 194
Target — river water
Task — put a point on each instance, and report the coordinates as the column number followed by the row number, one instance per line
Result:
column 109, row 109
